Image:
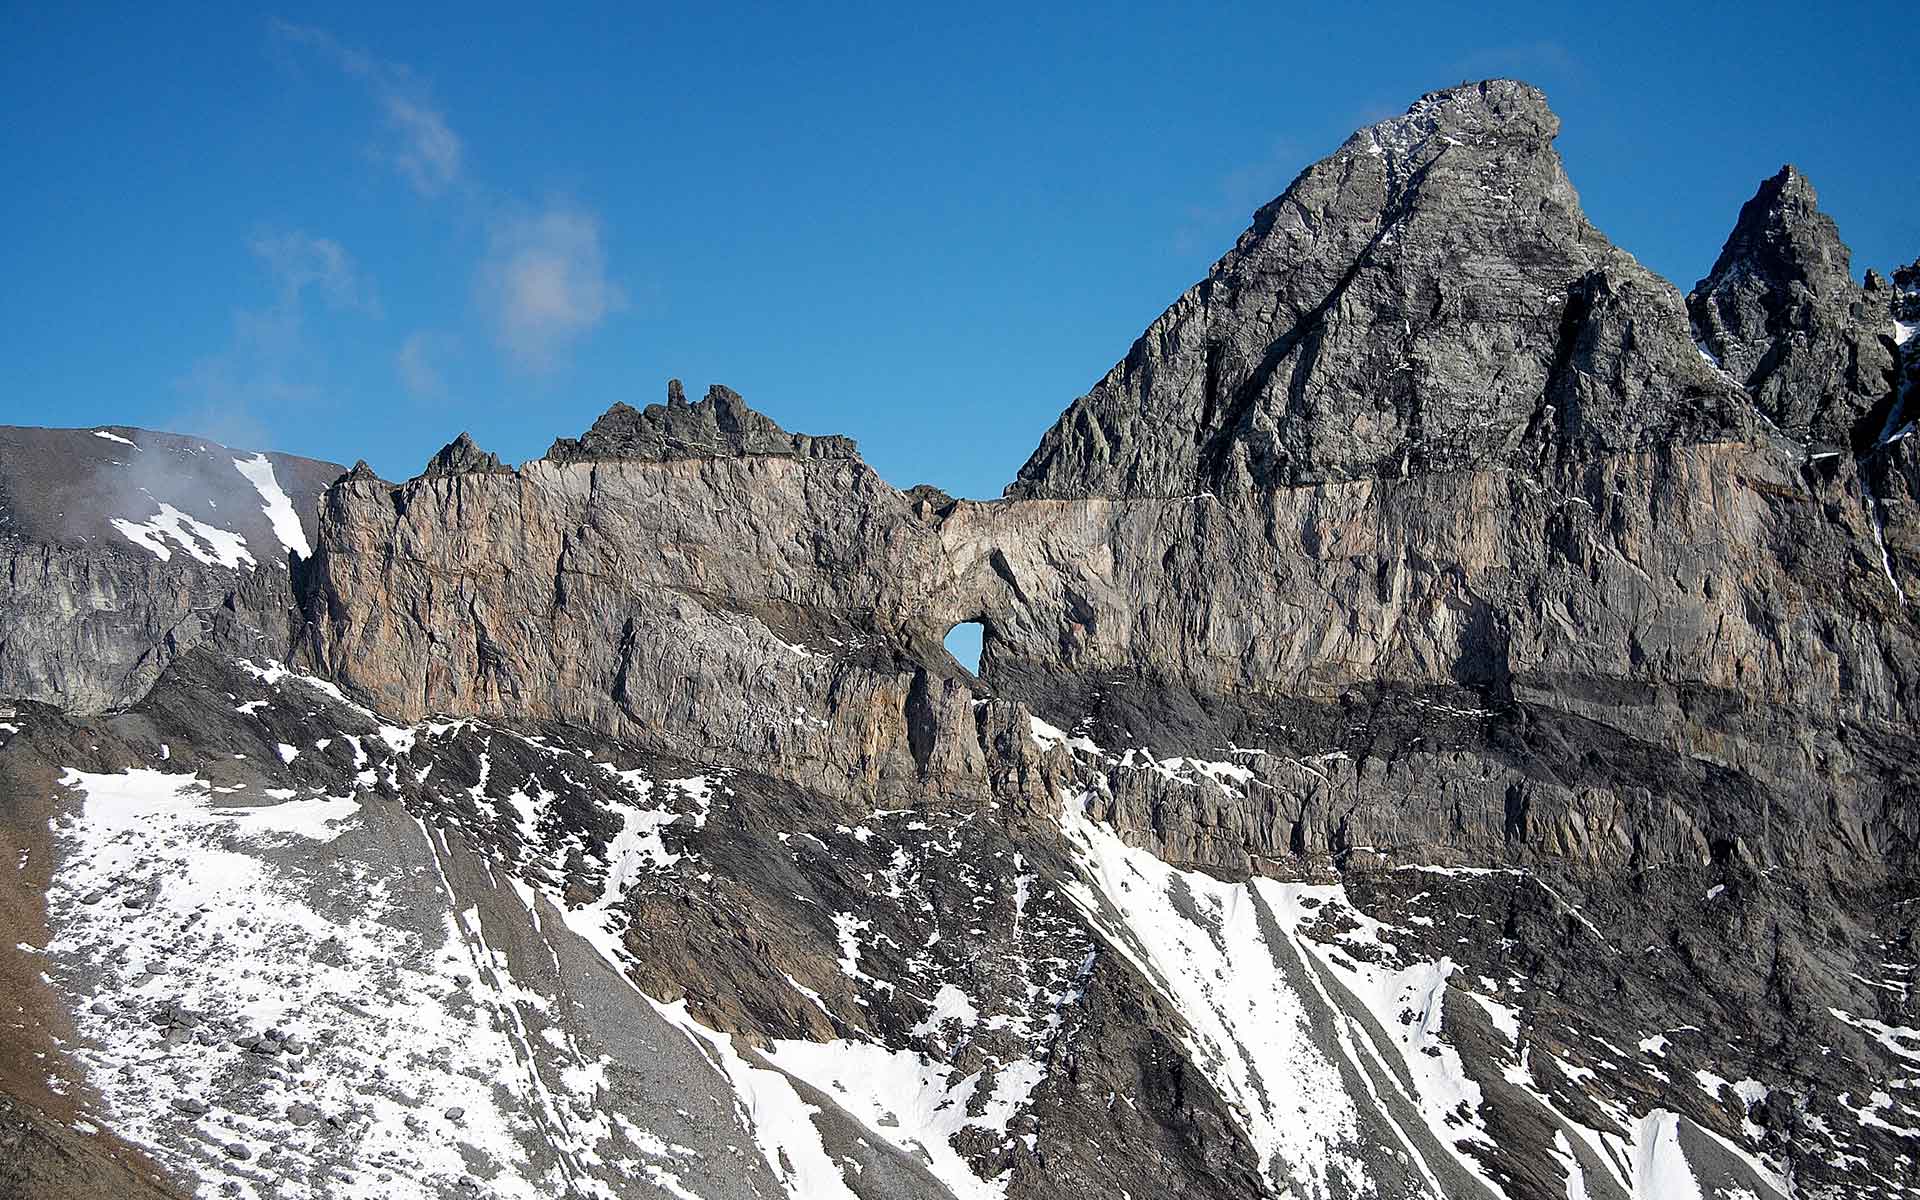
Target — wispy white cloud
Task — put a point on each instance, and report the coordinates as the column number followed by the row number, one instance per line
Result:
column 430, row 152
column 425, row 150
column 419, row 362
column 299, row 260
column 544, row 284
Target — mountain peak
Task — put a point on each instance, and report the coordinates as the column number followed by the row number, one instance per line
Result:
column 1427, row 298
column 719, row 426
column 1496, row 108
column 1780, row 311
column 1789, row 181
column 462, row 456
column 1782, row 233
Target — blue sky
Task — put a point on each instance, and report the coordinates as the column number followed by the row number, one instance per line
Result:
column 353, row 233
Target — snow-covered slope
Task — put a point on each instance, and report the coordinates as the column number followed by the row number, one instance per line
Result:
column 159, row 494
column 1342, row 1051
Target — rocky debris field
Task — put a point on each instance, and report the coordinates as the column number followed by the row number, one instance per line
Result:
column 319, row 953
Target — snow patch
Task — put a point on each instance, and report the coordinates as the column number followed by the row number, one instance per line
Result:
column 278, row 506
column 1206, row 944
column 1659, row 1167
column 951, row 1006
column 207, row 543
column 904, row 1098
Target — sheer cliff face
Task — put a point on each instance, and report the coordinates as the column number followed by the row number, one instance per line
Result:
column 1423, row 430
column 753, row 607
column 1429, row 298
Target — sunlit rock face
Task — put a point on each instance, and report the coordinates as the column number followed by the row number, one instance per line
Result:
column 1442, row 729
column 1429, row 298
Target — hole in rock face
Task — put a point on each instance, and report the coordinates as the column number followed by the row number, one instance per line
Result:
column 963, row 642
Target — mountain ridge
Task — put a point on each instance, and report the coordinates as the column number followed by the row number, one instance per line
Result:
column 1492, row 783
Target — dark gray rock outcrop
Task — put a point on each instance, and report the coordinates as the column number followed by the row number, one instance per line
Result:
column 1780, row 311
column 458, row 457
column 720, row 426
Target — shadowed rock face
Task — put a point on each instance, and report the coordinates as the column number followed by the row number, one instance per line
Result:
column 1781, row 313
column 1417, row 642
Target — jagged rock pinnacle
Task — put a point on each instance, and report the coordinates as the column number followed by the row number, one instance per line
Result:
column 461, row 456
column 1781, row 313
column 719, row 426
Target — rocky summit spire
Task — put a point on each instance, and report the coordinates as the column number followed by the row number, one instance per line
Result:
column 720, row 426
column 1429, row 297
column 462, row 456
column 1781, row 313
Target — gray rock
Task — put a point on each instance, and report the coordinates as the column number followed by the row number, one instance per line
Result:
column 720, row 426
column 92, row 619
column 462, row 456
column 1429, row 298
column 1781, row 312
